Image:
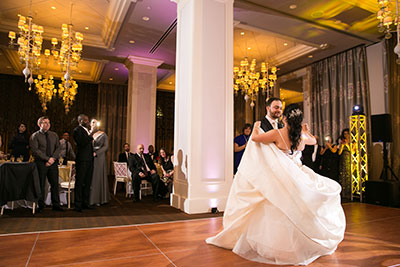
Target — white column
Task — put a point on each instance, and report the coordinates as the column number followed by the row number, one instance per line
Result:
column 203, row 146
column 142, row 89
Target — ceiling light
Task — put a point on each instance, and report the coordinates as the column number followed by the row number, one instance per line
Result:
column 146, row 18
column 111, row 79
column 170, row 82
column 242, row 33
column 285, row 44
column 310, row 56
column 131, row 41
column 248, row 48
column 323, row 46
column 86, row 28
column 80, row 71
column 53, row 7
column 317, row 14
column 293, row 6
column 116, row 69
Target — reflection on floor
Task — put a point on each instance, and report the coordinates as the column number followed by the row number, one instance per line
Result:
column 120, row 211
column 372, row 239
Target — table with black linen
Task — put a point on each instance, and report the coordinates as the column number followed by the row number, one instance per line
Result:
column 19, row 181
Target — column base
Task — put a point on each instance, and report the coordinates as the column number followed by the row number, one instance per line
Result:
column 197, row 205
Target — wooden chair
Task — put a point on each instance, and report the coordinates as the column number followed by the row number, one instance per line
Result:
column 121, row 175
column 70, row 184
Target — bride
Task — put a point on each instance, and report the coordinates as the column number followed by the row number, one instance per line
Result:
column 279, row 211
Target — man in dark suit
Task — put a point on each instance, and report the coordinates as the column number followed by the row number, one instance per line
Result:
column 46, row 150
column 84, row 163
column 124, row 156
column 274, row 112
column 143, row 168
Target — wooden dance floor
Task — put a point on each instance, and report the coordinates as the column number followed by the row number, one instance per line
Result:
column 372, row 239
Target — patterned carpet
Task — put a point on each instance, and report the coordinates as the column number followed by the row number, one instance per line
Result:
column 120, row 211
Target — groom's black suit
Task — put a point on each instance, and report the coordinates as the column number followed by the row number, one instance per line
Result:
column 266, row 125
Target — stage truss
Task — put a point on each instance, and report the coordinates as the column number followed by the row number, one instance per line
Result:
column 359, row 158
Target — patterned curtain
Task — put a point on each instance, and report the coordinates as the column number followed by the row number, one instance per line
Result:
column 165, row 121
column 338, row 83
column 112, row 113
column 392, row 88
column 239, row 114
column 18, row 104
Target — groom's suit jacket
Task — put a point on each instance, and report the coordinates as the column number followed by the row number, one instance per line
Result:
column 266, row 125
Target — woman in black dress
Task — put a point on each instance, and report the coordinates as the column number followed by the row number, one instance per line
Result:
column 329, row 159
column 167, row 167
column 19, row 144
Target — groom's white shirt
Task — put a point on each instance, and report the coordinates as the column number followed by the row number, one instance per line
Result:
column 273, row 122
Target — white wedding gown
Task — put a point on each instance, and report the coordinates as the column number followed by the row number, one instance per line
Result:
column 279, row 211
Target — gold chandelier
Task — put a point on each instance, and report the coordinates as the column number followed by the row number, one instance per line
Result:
column 249, row 81
column 44, row 85
column 30, row 44
column 68, row 56
column 67, row 93
column 387, row 18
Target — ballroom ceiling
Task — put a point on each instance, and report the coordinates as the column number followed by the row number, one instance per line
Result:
column 289, row 33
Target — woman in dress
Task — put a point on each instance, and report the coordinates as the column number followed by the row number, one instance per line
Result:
column 240, row 143
column 20, row 143
column 99, row 190
column 345, row 164
column 167, row 167
column 278, row 210
column 329, row 159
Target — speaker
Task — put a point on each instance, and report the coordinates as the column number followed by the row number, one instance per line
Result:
column 381, row 126
column 382, row 193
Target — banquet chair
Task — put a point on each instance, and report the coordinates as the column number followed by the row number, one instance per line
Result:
column 70, row 184
column 121, row 175
column 145, row 186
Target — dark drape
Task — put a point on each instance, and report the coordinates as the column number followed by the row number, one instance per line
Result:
column 112, row 113
column 165, row 121
column 239, row 113
column 392, row 86
column 338, row 83
column 17, row 105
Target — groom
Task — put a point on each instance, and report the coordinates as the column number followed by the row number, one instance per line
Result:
column 274, row 112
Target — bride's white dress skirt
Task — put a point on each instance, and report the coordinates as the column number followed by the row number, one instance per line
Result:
column 280, row 212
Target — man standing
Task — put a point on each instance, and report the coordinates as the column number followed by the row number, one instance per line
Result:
column 46, row 150
column 274, row 112
column 124, row 156
column 66, row 151
column 84, row 163
column 143, row 168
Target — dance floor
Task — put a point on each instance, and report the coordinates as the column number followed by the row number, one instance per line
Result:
column 372, row 239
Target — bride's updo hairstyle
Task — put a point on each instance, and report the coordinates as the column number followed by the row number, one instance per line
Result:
column 294, row 118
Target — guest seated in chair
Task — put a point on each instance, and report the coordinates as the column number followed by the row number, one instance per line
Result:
column 124, row 156
column 167, row 167
column 143, row 168
column 152, row 154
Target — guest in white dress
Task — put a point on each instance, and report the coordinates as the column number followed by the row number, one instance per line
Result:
column 279, row 211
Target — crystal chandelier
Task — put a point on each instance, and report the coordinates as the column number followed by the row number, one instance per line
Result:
column 30, row 44
column 249, row 81
column 387, row 18
column 68, row 56
column 44, row 85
